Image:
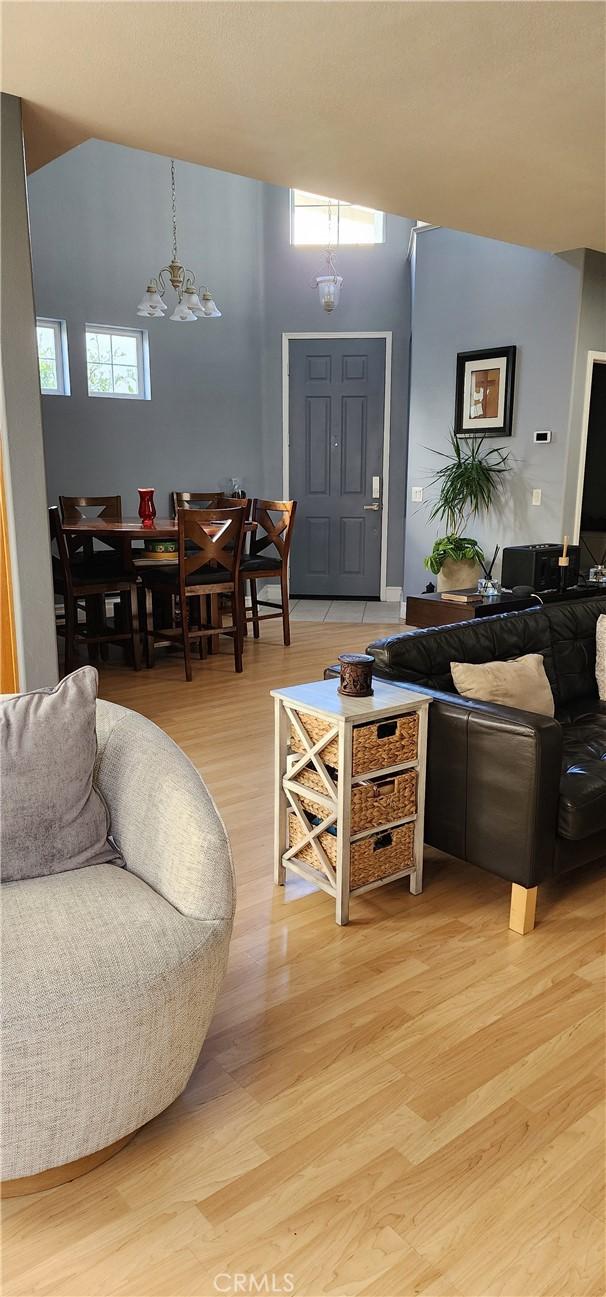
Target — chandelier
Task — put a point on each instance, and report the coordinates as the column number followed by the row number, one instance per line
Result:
column 329, row 285
column 192, row 304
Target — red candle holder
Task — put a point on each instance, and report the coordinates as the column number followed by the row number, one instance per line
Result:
column 147, row 508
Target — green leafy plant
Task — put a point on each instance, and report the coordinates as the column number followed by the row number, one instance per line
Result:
column 459, row 548
column 469, row 483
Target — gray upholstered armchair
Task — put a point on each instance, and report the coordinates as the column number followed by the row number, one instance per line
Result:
column 111, row 974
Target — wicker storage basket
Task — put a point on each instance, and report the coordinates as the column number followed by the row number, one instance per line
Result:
column 380, row 801
column 389, row 742
column 371, row 858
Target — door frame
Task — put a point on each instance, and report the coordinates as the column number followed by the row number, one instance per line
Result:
column 593, row 358
column 388, row 593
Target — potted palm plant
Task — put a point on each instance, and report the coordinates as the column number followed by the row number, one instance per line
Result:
column 469, row 483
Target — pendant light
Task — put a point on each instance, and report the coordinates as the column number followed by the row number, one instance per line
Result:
column 329, row 285
column 191, row 304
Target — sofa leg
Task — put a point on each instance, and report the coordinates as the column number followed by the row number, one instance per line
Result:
column 523, row 908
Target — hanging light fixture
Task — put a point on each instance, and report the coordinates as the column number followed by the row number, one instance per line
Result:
column 191, row 304
column 329, row 285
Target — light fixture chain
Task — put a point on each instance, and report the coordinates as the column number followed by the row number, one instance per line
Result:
column 330, row 239
column 174, row 207
column 189, row 306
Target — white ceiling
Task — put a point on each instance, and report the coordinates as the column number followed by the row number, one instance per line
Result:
column 487, row 117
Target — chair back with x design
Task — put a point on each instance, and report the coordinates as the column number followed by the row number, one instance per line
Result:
column 198, row 549
column 76, row 507
column 275, row 521
column 195, row 500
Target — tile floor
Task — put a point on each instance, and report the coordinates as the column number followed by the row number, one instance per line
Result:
column 342, row 610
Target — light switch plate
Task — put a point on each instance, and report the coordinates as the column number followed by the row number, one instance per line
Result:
column 417, row 494
column 536, row 495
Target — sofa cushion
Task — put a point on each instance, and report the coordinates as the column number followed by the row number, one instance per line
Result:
column 573, row 647
column 423, row 657
column 521, row 683
column 582, row 803
column 600, row 656
column 52, row 818
column 565, row 635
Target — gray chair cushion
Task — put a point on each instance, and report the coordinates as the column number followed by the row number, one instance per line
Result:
column 52, row 818
column 261, row 563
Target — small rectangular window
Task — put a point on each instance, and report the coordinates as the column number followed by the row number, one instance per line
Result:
column 317, row 221
column 53, row 364
column 117, row 362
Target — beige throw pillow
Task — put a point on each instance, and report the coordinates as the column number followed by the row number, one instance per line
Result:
column 520, row 683
column 600, row 656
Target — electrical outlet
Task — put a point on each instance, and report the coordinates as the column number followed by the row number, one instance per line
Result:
column 536, row 495
column 417, row 494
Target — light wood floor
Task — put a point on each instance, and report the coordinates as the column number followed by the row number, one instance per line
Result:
column 409, row 1105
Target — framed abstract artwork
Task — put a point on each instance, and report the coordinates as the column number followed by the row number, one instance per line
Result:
column 484, row 392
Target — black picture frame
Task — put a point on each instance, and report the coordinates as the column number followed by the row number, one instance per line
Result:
column 500, row 425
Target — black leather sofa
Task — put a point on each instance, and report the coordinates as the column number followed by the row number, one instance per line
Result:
column 518, row 794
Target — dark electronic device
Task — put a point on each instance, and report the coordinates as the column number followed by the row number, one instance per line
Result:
column 537, row 566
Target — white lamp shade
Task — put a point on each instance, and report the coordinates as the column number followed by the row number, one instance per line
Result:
column 152, row 313
column 151, row 298
column 192, row 301
column 329, row 289
column 210, row 310
column 182, row 315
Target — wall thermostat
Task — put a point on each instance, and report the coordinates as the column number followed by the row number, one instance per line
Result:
column 542, row 436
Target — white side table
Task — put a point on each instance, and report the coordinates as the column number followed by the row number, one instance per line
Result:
column 338, row 755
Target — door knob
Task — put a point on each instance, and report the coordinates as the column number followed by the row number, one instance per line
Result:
column 375, row 507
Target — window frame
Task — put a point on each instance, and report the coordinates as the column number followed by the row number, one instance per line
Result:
column 142, row 342
column 338, row 203
column 61, row 358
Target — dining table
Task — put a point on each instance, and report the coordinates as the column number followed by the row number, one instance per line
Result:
column 132, row 529
column 127, row 530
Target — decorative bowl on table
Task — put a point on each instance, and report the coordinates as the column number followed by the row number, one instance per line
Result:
column 161, row 549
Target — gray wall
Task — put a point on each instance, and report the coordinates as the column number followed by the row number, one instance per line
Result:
column 471, row 293
column 375, row 296
column 21, row 422
column 100, row 226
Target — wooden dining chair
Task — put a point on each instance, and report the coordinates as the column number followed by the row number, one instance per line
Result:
column 112, row 561
column 106, row 507
column 73, row 506
column 195, row 500
column 208, row 500
column 74, row 583
column 208, row 566
column 275, row 520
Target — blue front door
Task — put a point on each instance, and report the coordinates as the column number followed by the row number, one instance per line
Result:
column 336, row 400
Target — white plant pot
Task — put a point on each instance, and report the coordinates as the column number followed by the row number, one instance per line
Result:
column 462, row 575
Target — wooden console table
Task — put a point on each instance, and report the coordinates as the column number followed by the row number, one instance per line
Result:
column 423, row 610
column 350, row 788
